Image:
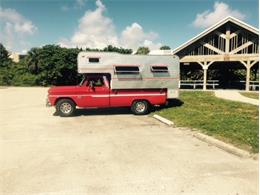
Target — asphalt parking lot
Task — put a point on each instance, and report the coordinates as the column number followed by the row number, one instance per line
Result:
column 108, row 152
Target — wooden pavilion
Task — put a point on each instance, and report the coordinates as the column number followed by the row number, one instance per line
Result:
column 229, row 41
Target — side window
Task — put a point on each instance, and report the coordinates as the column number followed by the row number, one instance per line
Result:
column 159, row 68
column 99, row 82
column 127, row 70
column 95, row 82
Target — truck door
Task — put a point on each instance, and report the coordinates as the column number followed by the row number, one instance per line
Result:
column 97, row 92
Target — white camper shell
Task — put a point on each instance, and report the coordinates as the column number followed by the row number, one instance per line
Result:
column 134, row 71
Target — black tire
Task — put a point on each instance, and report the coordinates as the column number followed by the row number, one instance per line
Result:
column 140, row 107
column 65, row 107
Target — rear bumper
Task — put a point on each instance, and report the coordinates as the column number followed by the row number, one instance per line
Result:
column 172, row 93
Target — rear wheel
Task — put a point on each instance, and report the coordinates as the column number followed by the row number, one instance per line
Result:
column 140, row 107
column 65, row 107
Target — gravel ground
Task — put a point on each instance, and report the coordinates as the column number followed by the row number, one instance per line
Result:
column 108, row 152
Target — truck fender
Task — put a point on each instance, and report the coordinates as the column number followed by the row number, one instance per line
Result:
column 149, row 103
column 64, row 98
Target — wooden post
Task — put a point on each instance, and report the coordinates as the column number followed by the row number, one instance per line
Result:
column 205, row 68
column 227, row 48
column 248, row 67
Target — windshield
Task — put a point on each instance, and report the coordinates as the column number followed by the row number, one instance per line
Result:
column 82, row 81
column 100, row 79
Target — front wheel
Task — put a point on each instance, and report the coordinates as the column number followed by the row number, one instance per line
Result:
column 140, row 107
column 65, row 107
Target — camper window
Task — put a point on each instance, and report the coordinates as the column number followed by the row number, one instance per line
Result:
column 159, row 69
column 126, row 69
column 93, row 60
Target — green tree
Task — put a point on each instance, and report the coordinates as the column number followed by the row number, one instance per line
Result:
column 4, row 55
column 54, row 65
column 121, row 50
column 5, row 66
column 32, row 58
column 22, row 76
column 142, row 51
column 165, row 47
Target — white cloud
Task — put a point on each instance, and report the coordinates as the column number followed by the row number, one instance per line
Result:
column 14, row 29
column 220, row 11
column 134, row 36
column 95, row 30
column 20, row 24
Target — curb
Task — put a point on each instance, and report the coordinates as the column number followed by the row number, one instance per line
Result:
column 163, row 120
column 224, row 146
column 213, row 141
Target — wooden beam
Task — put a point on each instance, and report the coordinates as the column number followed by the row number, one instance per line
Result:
column 210, row 63
column 245, row 45
column 205, row 64
column 211, row 47
column 234, row 34
column 220, row 58
column 227, row 48
column 200, row 63
column 222, row 35
column 244, row 63
column 253, row 63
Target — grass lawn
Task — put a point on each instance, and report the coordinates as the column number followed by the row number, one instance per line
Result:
column 229, row 121
column 250, row 95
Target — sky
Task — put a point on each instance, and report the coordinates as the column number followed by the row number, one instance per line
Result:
column 124, row 23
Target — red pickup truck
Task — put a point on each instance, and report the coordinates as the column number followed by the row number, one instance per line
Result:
column 95, row 92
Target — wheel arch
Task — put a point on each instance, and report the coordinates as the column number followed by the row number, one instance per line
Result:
column 142, row 99
column 68, row 98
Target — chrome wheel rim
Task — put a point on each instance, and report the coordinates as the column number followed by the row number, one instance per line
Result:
column 65, row 108
column 140, row 107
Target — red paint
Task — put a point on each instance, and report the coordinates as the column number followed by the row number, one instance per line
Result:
column 104, row 96
column 147, row 78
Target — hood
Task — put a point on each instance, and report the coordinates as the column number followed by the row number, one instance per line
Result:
column 63, row 90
